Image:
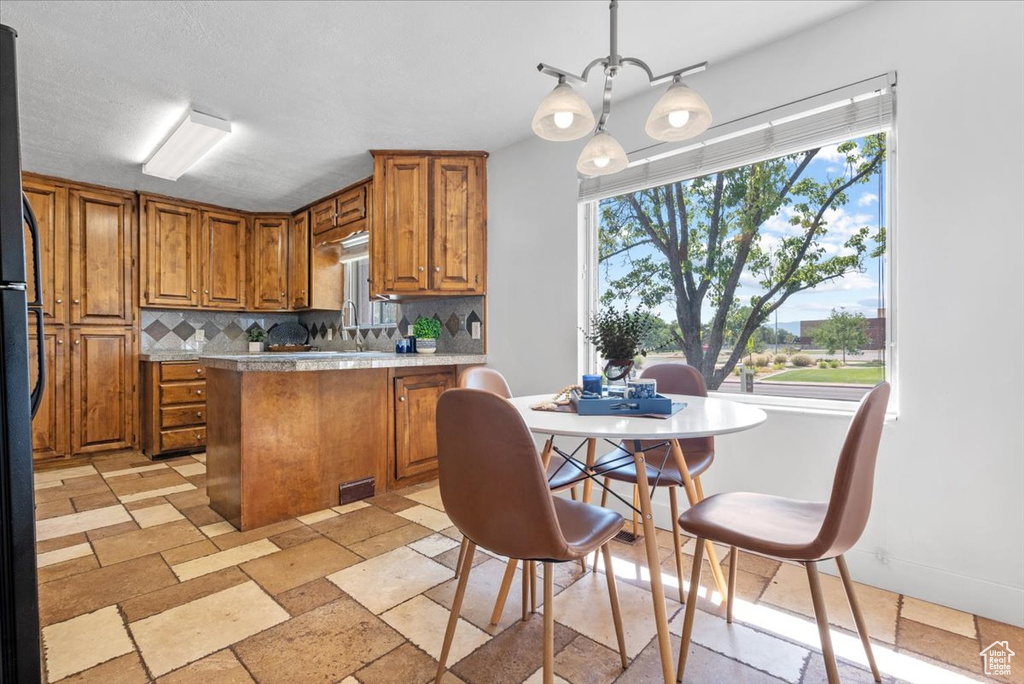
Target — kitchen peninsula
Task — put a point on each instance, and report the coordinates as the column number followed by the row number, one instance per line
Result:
column 285, row 432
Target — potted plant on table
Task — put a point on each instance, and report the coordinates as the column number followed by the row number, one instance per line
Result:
column 426, row 330
column 618, row 336
column 256, row 338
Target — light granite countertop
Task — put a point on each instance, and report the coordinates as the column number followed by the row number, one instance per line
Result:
column 319, row 361
column 158, row 356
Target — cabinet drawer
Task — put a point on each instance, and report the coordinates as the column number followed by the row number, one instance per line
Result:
column 181, row 371
column 352, row 205
column 182, row 438
column 182, row 393
column 183, row 415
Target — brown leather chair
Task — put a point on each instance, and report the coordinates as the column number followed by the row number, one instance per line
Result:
column 494, row 489
column 699, row 453
column 802, row 531
column 559, row 475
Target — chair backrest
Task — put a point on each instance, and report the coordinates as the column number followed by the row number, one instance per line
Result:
column 487, row 379
column 491, row 479
column 680, row 378
column 850, row 503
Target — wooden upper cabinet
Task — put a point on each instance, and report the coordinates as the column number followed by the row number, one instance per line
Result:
column 222, row 252
column 457, row 225
column 428, row 235
column 298, row 261
column 101, row 257
column 172, row 253
column 342, row 214
column 324, row 215
column 50, row 206
column 270, row 262
column 103, row 372
column 49, row 426
column 405, row 226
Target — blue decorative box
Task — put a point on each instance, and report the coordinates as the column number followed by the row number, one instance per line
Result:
column 617, row 406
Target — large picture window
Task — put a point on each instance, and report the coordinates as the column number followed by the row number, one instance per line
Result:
column 774, row 269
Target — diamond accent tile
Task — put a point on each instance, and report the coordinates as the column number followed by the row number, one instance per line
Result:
column 403, row 326
column 471, row 319
column 157, row 330
column 452, row 324
column 211, row 330
column 233, row 331
column 184, row 330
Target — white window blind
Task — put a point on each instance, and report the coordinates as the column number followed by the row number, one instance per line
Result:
column 832, row 117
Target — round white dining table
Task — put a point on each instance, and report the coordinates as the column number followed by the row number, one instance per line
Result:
column 701, row 417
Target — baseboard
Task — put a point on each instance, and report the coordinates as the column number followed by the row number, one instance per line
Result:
column 969, row 594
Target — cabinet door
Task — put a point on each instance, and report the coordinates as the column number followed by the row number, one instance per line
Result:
column 405, row 229
column 416, row 422
column 172, row 254
column 298, row 262
column 100, row 258
column 323, row 216
column 458, row 244
column 50, row 425
column 102, row 389
column 352, row 205
column 50, row 206
column 270, row 263
column 223, row 257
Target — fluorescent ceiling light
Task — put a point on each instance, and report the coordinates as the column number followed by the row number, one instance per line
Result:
column 191, row 140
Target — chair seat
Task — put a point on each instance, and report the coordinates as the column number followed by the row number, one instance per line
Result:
column 585, row 528
column 561, row 475
column 765, row 524
column 697, row 461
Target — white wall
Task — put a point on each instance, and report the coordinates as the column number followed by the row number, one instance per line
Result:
column 948, row 518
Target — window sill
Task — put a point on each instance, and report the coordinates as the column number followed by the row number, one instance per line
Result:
column 799, row 405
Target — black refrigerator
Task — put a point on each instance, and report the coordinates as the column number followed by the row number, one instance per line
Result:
column 19, row 600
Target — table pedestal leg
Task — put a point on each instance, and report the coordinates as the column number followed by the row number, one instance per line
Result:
column 694, row 497
column 654, row 566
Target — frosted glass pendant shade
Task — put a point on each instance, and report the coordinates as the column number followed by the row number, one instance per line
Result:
column 563, row 115
column 680, row 114
column 603, row 155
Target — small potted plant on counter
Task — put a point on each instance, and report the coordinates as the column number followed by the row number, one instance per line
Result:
column 426, row 330
column 256, row 338
column 618, row 336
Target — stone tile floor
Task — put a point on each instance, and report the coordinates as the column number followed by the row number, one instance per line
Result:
column 140, row 580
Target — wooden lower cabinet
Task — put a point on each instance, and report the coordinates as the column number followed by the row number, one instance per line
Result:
column 50, row 424
column 173, row 407
column 416, row 395
column 103, row 373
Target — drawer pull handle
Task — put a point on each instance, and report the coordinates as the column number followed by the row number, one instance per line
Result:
column 199, row 370
column 199, row 391
column 199, row 414
column 199, row 437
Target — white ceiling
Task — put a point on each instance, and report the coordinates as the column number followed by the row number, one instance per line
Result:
column 311, row 86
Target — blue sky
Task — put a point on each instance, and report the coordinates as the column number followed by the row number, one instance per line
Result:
column 857, row 292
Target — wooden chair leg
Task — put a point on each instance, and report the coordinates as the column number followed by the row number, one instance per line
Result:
column 613, row 594
column 734, row 560
column 549, row 624
column 858, row 617
column 462, row 556
column 533, row 586
column 691, row 607
column 506, row 584
column 821, row 616
column 677, row 541
column 526, row 590
column 636, row 507
column 453, row 618
column 604, row 503
column 572, row 493
column 699, row 487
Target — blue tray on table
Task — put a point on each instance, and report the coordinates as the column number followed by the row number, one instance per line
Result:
column 617, row 406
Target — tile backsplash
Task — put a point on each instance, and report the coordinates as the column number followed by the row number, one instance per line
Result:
column 175, row 330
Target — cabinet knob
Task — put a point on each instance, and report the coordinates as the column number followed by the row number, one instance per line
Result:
column 437, row 269
column 302, row 291
column 199, row 414
column 421, row 268
column 77, row 341
column 206, row 292
column 401, row 398
column 194, row 291
column 199, row 371
column 60, row 341
column 59, row 301
column 74, row 301
column 199, row 436
column 199, row 392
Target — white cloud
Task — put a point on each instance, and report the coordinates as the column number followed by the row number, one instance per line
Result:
column 831, row 153
column 866, row 199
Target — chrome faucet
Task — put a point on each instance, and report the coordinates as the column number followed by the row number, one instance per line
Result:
column 355, row 321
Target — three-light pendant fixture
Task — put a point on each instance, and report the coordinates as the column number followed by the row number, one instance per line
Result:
column 564, row 115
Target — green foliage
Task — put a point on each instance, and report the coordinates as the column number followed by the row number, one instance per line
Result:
column 689, row 242
column 619, row 334
column 256, row 335
column 426, row 328
column 822, row 364
column 662, row 336
column 778, row 366
column 834, row 364
column 843, row 331
column 801, row 360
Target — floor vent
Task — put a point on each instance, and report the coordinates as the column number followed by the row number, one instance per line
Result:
column 628, row 537
column 355, row 490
